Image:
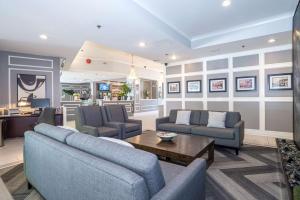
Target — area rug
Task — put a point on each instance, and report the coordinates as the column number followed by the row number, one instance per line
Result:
column 254, row 174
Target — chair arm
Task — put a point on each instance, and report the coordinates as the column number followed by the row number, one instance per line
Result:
column 239, row 130
column 161, row 120
column 134, row 121
column 89, row 130
column 188, row 185
column 117, row 125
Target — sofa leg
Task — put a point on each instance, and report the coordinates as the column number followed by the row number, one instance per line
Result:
column 237, row 152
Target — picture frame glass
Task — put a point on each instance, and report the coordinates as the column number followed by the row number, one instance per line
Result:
column 246, row 83
column 280, row 82
column 173, row 87
column 217, row 85
column 193, row 86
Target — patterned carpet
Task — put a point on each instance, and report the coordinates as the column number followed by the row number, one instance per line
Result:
column 254, row 174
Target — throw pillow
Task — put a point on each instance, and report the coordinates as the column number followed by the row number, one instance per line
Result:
column 216, row 119
column 183, row 117
column 121, row 142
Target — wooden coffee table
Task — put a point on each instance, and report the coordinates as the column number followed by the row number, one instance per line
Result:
column 181, row 150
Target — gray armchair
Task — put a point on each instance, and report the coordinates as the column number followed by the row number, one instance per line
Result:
column 90, row 120
column 117, row 115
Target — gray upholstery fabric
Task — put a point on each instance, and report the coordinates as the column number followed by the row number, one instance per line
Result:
column 175, row 127
column 143, row 163
column 129, row 127
column 232, row 118
column 115, row 113
column 107, row 131
column 173, row 116
column 47, row 116
column 204, row 118
column 170, row 170
column 195, row 117
column 59, row 134
column 226, row 133
column 92, row 115
column 66, row 173
column 188, row 185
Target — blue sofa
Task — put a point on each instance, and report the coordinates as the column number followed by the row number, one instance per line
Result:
column 62, row 164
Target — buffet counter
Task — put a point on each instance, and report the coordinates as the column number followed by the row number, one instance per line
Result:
column 129, row 105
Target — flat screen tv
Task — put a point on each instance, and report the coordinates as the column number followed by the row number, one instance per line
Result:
column 296, row 75
column 104, row 87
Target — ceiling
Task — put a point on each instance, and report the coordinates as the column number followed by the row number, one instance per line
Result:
column 187, row 29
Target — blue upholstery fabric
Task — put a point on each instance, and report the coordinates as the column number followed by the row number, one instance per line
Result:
column 173, row 116
column 129, row 127
column 195, row 117
column 108, row 132
column 188, row 185
column 204, row 118
column 60, row 172
column 232, row 118
column 225, row 133
column 92, row 115
column 59, row 134
column 115, row 113
column 181, row 128
column 143, row 163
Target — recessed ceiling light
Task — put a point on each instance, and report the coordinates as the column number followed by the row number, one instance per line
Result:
column 43, row 37
column 226, row 3
column 272, row 40
column 142, row 44
column 173, row 57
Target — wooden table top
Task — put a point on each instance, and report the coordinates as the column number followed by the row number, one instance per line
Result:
column 185, row 145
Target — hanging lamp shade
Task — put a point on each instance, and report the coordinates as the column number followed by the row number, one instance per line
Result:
column 132, row 75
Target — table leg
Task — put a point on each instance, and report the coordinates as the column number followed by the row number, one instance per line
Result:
column 1, row 133
column 211, row 154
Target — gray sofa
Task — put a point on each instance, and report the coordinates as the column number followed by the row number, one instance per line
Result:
column 231, row 136
column 63, row 165
column 117, row 114
column 92, row 120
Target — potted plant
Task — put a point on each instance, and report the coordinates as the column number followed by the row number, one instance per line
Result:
column 125, row 90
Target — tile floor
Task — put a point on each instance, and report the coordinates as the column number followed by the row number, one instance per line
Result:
column 11, row 153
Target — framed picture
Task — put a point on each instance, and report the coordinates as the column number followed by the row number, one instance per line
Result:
column 193, row 86
column 246, row 83
column 31, row 86
column 218, row 85
column 280, row 81
column 173, row 87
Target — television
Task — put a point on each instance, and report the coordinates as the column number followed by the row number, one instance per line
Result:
column 296, row 76
column 104, row 87
column 40, row 103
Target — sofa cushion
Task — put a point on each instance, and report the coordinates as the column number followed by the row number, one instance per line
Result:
column 204, row 118
column 232, row 118
column 130, row 127
column 107, row 131
column 92, row 115
column 195, row 117
column 173, row 116
column 170, row 170
column 224, row 133
column 183, row 117
column 143, row 163
column 115, row 113
column 180, row 128
column 118, row 141
column 216, row 119
column 59, row 134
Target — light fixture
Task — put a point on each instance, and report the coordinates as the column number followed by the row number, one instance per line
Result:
column 272, row 40
column 173, row 57
column 142, row 44
column 226, row 3
column 132, row 75
column 43, row 37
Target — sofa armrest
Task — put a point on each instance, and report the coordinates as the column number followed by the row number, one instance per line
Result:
column 117, row 125
column 239, row 130
column 134, row 121
column 161, row 120
column 188, row 185
column 89, row 130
